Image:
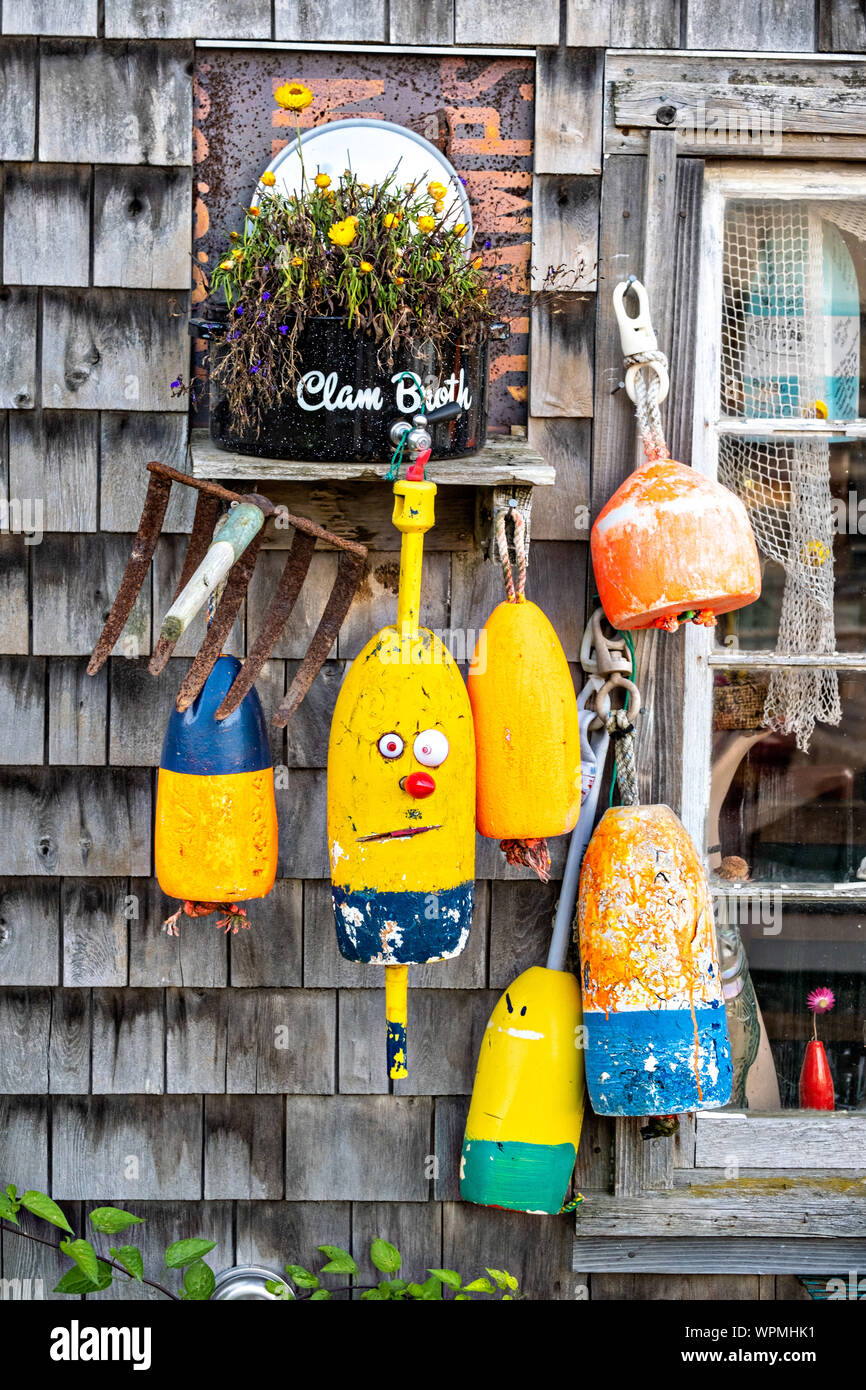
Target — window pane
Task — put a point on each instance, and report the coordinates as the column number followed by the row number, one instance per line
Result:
column 792, row 949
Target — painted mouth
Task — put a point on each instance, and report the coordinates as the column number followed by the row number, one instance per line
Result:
column 398, row 834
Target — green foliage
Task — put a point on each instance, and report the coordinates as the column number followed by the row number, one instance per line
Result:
column 386, row 1258
column 199, row 1282
column 339, row 1261
column 112, row 1220
column 84, row 1255
column 184, row 1252
column 130, row 1257
column 40, row 1205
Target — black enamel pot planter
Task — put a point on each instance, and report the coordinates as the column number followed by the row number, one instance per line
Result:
column 345, row 398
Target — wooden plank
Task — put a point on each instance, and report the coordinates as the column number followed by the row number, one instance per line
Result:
column 164, row 1223
column 142, row 228
column 421, row 21
column 68, row 618
column 308, row 730
column 301, row 821
column 361, row 1066
column 128, row 1042
column 766, row 1209
column 24, row 1142
column 469, row 969
column 594, row 1167
column 243, row 1147
column 813, row 111
column 195, row 1040
column 330, row 20
column 102, row 350
column 506, row 22
column 25, row 1016
column 304, row 618
column 17, row 98
column 645, row 24
column 717, row 1256
column 115, row 104
column 46, row 225
column 587, row 23
column 275, row 1234
column 375, row 603
column 127, row 442
column 90, row 821
column 178, row 19
column 561, row 513
column 363, row 511
column 521, row 919
column 29, row 931
column 674, row 1288
column 281, row 1042
column 561, row 348
column 270, row 953
column 504, row 459
column 753, row 26
column 14, row 588
column 357, row 1148
column 569, row 87
column 77, row 712
column 67, row 17
column 414, row 1227
column 449, row 1125
column 841, row 27
column 140, row 709
column 69, row 1042
column 640, row 1165
column 53, row 455
column 446, row 1027
column 764, row 1141
column 149, row 1147
column 94, row 932
column 18, row 353
column 196, row 958
column 22, row 708
column 535, row 1251
column 564, row 233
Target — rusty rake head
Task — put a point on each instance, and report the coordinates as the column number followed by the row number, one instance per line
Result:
column 208, row 561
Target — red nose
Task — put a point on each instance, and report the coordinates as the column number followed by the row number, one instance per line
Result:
column 419, row 784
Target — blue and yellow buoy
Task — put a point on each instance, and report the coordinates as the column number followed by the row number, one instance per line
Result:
column 216, row 819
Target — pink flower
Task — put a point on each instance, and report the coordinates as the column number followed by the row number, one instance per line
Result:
column 821, row 1001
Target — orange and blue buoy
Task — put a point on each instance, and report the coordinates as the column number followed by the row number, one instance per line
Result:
column 216, row 818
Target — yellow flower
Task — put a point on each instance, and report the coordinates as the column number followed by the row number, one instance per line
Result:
column 426, row 224
column 437, row 190
column 477, row 263
column 227, row 265
column 398, row 280
column 323, row 181
column 297, row 260
column 234, row 236
column 252, row 212
column 330, row 194
column 343, row 233
column 366, row 267
column 436, row 255
column 268, row 178
column 366, row 187
column 293, row 96
column 460, row 229
column 483, row 292
column 238, row 254
column 439, row 206
column 392, row 218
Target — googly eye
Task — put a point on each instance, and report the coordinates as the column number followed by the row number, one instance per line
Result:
column 391, row 745
column 431, row 747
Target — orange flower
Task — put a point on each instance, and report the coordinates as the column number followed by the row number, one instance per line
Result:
column 252, row 212
column 398, row 280
column 297, row 260
column 366, row 267
column 268, row 178
column 293, row 96
column 477, row 263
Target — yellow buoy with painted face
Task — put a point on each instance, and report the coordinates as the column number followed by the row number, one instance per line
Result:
column 401, row 791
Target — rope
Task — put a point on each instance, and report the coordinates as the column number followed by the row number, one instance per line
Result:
column 515, row 592
column 647, row 409
column 621, row 729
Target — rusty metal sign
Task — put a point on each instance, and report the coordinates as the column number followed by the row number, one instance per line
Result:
column 478, row 110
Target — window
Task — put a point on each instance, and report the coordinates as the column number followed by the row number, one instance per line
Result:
column 780, row 406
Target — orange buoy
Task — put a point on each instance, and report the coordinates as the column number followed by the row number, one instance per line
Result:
column 672, row 544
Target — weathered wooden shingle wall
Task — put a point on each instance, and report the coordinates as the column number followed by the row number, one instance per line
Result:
column 240, row 1080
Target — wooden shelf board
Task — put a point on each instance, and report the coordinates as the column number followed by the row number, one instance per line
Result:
column 504, row 459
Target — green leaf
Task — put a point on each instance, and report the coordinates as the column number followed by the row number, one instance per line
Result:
column 384, row 1288
column 480, row 1286
column 502, row 1279
column 199, row 1282
column 372, row 1296
column 42, row 1206
column 84, row 1255
column 186, row 1252
column 431, row 1290
column 397, row 1285
column 319, row 1295
column 8, row 1208
column 74, row 1282
column 112, row 1220
column 304, row 1278
column 279, row 1290
column 385, row 1257
column 447, row 1276
column 462, row 1298
column 415, row 1290
column 339, row 1261
column 130, row 1257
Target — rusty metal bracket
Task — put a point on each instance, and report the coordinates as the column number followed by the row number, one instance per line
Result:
column 307, row 533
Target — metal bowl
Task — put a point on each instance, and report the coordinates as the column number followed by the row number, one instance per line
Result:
column 247, row 1283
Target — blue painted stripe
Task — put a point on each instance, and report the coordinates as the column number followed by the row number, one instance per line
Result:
column 402, row 928
column 395, row 1047
column 515, row 1175
column 195, row 742
column 642, row 1062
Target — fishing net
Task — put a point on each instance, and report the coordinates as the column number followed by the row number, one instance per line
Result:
column 791, row 350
